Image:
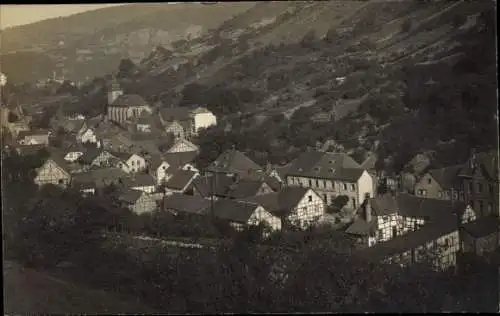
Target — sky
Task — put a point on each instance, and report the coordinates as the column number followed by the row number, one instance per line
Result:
column 14, row 14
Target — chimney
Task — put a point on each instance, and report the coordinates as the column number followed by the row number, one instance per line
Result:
column 368, row 208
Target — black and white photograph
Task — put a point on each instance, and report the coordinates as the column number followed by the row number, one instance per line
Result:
column 261, row 157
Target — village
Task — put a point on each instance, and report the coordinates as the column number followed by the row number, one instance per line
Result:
column 147, row 154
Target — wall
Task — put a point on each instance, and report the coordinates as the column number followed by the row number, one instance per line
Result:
column 308, row 211
column 431, row 188
column 161, row 173
column 204, row 120
column 144, row 204
column 261, row 215
column 136, row 163
column 365, row 185
column 51, row 173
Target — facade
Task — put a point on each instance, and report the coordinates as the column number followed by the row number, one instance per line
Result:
column 132, row 163
column 331, row 175
column 87, row 136
column 177, row 130
column 440, row 184
column 53, row 171
column 183, row 145
column 33, row 138
column 234, row 163
column 138, row 202
column 480, row 236
column 479, row 180
column 203, row 118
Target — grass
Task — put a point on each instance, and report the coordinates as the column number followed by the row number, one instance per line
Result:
column 27, row 291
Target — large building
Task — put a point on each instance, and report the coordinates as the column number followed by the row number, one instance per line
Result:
column 127, row 106
column 331, row 175
column 184, row 122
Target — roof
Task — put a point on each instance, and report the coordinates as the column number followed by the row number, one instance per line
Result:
column 72, row 125
column 283, row 170
column 244, row 188
column 129, row 195
column 218, row 184
column 100, row 177
column 123, row 156
column 487, row 161
column 23, row 134
column 129, row 100
column 29, row 149
column 482, row 227
column 233, row 161
column 90, row 154
column 140, row 180
column 234, row 210
column 58, row 158
column 175, row 114
column 408, row 241
column 186, row 203
column 282, row 202
column 369, row 162
column 446, row 177
column 179, row 159
column 361, row 227
column 324, row 165
column 180, row 179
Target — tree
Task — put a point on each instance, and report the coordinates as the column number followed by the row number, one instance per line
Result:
column 125, row 68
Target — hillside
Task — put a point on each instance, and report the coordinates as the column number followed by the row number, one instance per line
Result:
column 92, row 43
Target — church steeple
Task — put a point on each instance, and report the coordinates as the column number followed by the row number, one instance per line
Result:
column 114, row 90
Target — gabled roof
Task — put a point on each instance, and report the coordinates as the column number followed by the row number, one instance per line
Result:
column 129, row 100
column 244, row 188
column 89, row 155
column 58, row 158
column 487, row 161
column 234, row 210
column 326, row 165
column 361, row 227
column 234, row 161
column 186, row 203
column 408, row 241
column 446, row 177
column 100, row 177
column 180, row 159
column 280, row 203
column 283, row 170
column 139, row 180
column 175, row 114
column 184, row 141
column 123, row 156
column 129, row 196
column 216, row 184
column 482, row 227
column 181, row 179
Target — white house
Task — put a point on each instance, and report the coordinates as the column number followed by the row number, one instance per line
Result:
column 203, row 118
column 138, row 202
column 130, row 163
column 241, row 214
column 331, row 175
column 295, row 206
column 88, row 135
column 54, row 171
column 183, row 145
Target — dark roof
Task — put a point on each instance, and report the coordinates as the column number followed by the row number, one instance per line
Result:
column 446, row 177
column 361, row 227
column 408, row 241
column 487, row 161
column 29, row 149
column 139, row 180
column 283, row 170
column 129, row 100
column 180, row 179
column 282, row 202
column 129, row 196
column 72, row 125
column 233, row 210
column 218, row 184
column 244, row 188
column 121, row 155
column 180, row 159
column 482, row 227
column 175, row 114
column 325, row 165
column 23, row 134
column 186, row 203
column 89, row 155
column 233, row 161
column 369, row 162
column 100, row 177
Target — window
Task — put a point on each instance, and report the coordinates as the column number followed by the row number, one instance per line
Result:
column 470, row 187
column 353, row 202
column 133, row 163
column 447, row 242
column 292, row 180
column 429, row 181
column 344, row 186
column 481, row 205
column 310, row 198
column 394, row 231
column 317, row 183
column 325, row 197
column 490, row 208
column 353, row 187
column 164, row 167
column 310, row 183
column 324, row 183
column 490, row 187
column 61, row 181
column 479, row 188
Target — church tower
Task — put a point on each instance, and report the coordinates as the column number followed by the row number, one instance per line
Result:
column 114, row 91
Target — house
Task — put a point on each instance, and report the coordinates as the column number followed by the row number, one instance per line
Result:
column 100, row 158
column 54, row 171
column 33, row 137
column 127, row 106
column 87, row 135
column 241, row 214
column 440, row 183
column 159, row 169
column 163, row 167
column 438, row 242
column 180, row 181
column 17, row 127
column 182, row 160
column 140, row 182
column 279, row 172
column 331, row 175
column 388, row 216
column 202, row 118
column 130, row 163
column 479, row 180
column 481, row 235
column 138, row 202
column 233, row 162
column 221, row 186
column 183, row 145
column 177, row 121
column 73, row 153
column 297, row 206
